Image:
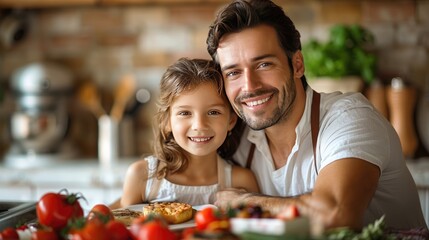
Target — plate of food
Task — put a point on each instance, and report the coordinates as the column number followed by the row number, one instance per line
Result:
column 178, row 215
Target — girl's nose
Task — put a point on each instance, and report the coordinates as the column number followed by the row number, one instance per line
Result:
column 199, row 122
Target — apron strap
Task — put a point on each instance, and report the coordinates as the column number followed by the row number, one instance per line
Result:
column 315, row 112
column 250, row 156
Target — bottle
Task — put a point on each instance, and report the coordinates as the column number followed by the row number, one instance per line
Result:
column 423, row 117
column 376, row 94
column 401, row 100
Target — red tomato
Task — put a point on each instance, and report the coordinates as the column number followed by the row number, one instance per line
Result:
column 44, row 234
column 289, row 213
column 155, row 230
column 92, row 230
column 75, row 234
column 102, row 212
column 55, row 209
column 9, row 233
column 188, row 233
column 205, row 216
column 118, row 231
column 139, row 222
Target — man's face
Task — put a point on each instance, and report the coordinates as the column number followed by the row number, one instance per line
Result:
column 258, row 80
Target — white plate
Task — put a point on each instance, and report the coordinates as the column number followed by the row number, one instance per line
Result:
column 188, row 224
column 272, row 226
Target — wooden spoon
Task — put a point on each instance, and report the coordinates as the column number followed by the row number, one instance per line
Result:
column 123, row 93
column 88, row 95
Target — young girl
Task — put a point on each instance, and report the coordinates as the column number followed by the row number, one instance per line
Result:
column 193, row 121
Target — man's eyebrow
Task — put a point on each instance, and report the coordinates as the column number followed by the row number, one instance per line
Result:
column 226, row 67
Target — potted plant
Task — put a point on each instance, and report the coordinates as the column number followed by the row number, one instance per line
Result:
column 342, row 62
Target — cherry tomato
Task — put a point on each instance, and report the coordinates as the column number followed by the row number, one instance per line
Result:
column 188, row 232
column 289, row 213
column 118, row 231
column 9, row 233
column 44, row 234
column 155, row 230
column 102, row 212
column 139, row 222
column 92, row 230
column 56, row 209
column 205, row 216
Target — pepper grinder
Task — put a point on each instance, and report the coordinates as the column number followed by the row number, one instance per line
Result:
column 376, row 94
column 401, row 100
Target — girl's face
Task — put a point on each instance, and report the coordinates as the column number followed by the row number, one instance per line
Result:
column 200, row 120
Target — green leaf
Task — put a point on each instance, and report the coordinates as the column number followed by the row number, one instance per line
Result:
column 342, row 55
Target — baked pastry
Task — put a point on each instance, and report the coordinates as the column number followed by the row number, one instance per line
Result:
column 172, row 212
column 125, row 215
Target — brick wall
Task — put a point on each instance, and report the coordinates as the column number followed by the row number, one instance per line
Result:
column 100, row 43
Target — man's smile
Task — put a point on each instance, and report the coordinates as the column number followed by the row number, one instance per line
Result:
column 257, row 102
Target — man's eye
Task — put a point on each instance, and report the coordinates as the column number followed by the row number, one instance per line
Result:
column 264, row 64
column 231, row 74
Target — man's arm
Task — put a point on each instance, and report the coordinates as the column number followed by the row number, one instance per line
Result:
column 342, row 192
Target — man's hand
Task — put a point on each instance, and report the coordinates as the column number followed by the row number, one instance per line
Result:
column 231, row 197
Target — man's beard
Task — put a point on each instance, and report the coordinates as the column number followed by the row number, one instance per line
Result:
column 280, row 113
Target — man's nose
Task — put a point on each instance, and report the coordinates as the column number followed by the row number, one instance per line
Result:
column 251, row 81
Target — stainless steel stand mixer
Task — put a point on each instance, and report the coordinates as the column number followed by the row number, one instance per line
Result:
column 40, row 120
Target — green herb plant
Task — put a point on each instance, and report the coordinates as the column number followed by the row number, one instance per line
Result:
column 344, row 54
column 374, row 231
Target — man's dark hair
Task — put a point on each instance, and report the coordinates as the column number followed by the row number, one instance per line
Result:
column 243, row 14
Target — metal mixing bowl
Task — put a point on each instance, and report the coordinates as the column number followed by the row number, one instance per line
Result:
column 39, row 132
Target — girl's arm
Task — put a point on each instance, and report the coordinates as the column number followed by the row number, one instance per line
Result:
column 135, row 184
column 244, row 178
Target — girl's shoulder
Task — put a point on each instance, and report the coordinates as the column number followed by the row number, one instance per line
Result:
column 240, row 170
column 244, row 178
column 145, row 163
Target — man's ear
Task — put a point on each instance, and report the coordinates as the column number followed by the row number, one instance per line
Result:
column 232, row 121
column 298, row 64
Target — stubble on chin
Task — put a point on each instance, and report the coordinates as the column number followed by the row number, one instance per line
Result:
column 267, row 119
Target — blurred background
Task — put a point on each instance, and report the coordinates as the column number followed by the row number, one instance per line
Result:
column 99, row 41
column 62, row 62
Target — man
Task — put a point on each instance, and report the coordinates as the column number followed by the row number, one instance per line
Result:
column 354, row 174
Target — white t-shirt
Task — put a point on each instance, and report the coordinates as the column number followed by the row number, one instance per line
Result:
column 349, row 127
column 194, row 195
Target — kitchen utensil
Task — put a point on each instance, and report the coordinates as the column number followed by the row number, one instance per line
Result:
column 401, row 100
column 40, row 120
column 108, row 148
column 377, row 96
column 423, row 116
column 123, row 93
column 88, row 95
column 141, row 97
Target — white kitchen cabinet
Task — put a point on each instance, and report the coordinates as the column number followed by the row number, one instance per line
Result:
column 77, row 176
column 16, row 192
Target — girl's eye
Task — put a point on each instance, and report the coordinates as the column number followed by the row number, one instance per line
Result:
column 214, row 112
column 183, row 113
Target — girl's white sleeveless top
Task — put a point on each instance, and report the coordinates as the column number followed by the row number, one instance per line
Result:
column 194, row 195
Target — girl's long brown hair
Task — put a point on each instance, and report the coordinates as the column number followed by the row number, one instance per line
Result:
column 184, row 75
